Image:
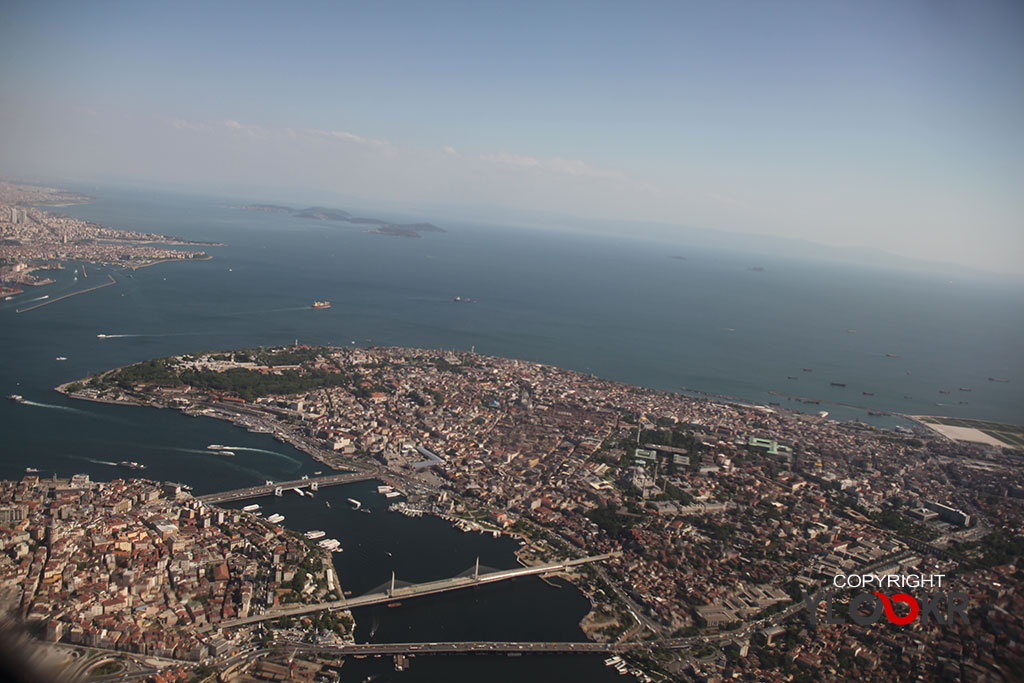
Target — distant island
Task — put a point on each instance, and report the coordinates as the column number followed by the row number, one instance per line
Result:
column 323, row 213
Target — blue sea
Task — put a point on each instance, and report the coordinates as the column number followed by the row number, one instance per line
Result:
column 663, row 316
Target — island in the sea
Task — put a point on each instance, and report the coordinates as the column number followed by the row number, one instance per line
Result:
column 716, row 517
column 322, row 213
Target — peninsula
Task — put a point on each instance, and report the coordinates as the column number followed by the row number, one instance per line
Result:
column 717, row 517
column 32, row 238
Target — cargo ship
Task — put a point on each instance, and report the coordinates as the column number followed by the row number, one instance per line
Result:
column 321, row 304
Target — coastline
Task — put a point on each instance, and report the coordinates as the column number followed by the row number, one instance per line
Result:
column 577, row 579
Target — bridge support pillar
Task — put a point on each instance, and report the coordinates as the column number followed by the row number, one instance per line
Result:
column 315, row 486
column 278, row 491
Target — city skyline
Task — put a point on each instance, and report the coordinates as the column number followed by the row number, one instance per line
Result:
column 870, row 126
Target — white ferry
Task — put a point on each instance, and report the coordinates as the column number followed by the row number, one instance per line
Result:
column 229, row 454
column 313, row 535
column 251, row 508
column 275, row 518
column 215, row 447
column 331, row 544
column 392, row 494
column 385, row 489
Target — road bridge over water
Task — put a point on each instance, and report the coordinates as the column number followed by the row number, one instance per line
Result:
column 277, row 488
column 395, row 593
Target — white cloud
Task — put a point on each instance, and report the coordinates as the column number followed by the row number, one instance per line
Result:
column 346, row 136
column 450, row 151
column 572, row 167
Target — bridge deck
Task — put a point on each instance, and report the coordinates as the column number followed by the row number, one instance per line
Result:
column 260, row 491
column 416, row 590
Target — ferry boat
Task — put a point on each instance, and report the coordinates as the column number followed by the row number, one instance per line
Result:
column 392, row 494
column 61, row 358
column 215, row 447
column 131, row 464
column 251, row 508
column 313, row 535
column 331, row 544
column 17, row 397
column 997, row 379
column 321, row 304
column 275, row 518
column 230, row 454
column 30, row 470
column 355, row 503
column 101, row 336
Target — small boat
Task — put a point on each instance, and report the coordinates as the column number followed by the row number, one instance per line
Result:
column 251, row 508
column 837, row 384
column 892, row 355
column 965, row 389
column 61, row 358
column 355, row 503
column 808, row 370
column 943, row 391
column 17, row 397
column 275, row 518
column 997, row 379
column 313, row 535
column 227, row 453
column 131, row 465
column 321, row 304
column 790, row 377
column 215, row 447
column 868, row 393
column 327, row 503
column 30, row 470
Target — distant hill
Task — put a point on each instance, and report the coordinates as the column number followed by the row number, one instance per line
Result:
column 323, row 213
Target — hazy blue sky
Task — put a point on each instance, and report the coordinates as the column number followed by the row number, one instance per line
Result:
column 894, row 124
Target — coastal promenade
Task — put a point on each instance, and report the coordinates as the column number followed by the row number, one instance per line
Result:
column 395, row 593
column 277, row 488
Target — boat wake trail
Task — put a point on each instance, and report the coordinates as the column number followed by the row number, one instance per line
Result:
column 274, row 310
column 94, row 461
column 68, row 409
column 38, row 298
column 263, row 450
column 141, row 334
